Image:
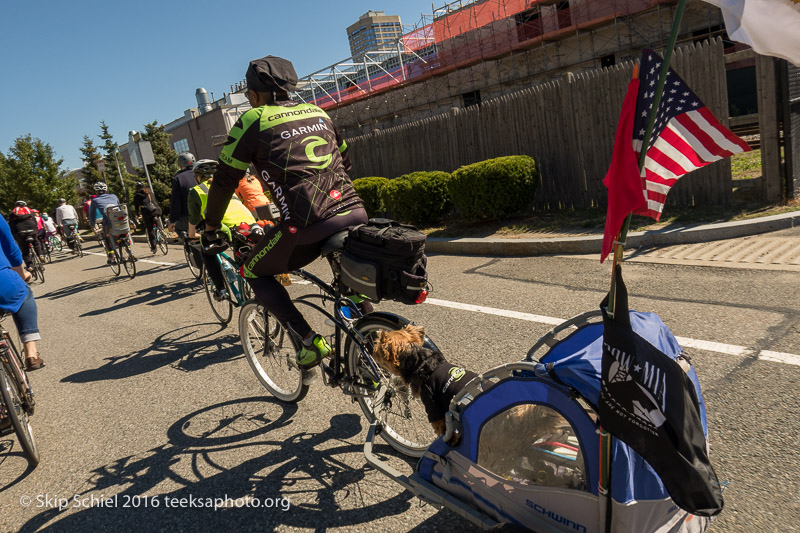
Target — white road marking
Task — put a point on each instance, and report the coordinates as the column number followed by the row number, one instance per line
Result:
column 686, row 342
column 710, row 346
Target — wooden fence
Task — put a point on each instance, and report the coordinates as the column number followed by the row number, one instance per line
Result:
column 568, row 126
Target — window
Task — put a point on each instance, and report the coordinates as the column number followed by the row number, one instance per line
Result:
column 564, row 16
column 532, row 444
column 181, row 146
column 472, row 98
column 529, row 24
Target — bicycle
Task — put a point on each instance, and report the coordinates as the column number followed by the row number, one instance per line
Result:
column 122, row 255
column 76, row 240
column 270, row 348
column 238, row 290
column 35, row 267
column 120, row 240
column 160, row 237
column 54, row 242
column 17, row 395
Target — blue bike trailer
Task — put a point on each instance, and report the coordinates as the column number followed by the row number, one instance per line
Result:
column 529, row 453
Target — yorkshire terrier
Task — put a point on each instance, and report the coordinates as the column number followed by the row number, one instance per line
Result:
column 432, row 379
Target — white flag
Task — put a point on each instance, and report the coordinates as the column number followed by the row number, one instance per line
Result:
column 771, row 27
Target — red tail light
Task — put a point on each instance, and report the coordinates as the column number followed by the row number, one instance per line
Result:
column 423, row 295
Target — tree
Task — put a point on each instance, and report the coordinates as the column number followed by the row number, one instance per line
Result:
column 166, row 165
column 91, row 174
column 31, row 172
column 112, row 158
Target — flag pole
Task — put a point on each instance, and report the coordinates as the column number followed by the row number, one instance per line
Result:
column 619, row 244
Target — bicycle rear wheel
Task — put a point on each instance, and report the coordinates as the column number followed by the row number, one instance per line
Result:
column 194, row 268
column 271, row 352
column 128, row 261
column 402, row 416
column 223, row 309
column 19, row 419
column 37, row 268
column 161, row 240
column 78, row 247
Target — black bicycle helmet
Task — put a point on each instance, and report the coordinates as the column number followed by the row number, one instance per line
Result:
column 271, row 73
column 139, row 186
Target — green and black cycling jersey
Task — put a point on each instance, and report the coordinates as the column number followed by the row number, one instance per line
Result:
column 298, row 155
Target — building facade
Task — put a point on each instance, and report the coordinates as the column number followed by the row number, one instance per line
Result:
column 374, row 30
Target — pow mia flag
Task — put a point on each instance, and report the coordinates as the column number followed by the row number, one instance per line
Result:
column 649, row 403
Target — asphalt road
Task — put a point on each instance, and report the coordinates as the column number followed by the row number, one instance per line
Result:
column 145, row 399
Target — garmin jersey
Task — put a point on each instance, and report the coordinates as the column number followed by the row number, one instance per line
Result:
column 299, row 157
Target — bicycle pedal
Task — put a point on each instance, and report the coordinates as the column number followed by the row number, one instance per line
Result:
column 310, row 376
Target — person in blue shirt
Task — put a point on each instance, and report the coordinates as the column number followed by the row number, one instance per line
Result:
column 97, row 212
column 17, row 298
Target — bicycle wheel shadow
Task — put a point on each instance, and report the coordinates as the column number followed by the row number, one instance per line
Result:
column 187, row 348
column 225, row 451
column 154, row 295
column 12, row 459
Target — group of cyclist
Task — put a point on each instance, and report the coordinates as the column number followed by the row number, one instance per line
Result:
column 296, row 154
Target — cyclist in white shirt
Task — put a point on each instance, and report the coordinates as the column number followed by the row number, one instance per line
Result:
column 67, row 221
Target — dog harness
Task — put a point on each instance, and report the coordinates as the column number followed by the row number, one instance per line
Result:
column 445, row 382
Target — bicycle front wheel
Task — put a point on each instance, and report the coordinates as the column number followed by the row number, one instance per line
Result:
column 128, row 261
column 223, row 309
column 161, row 240
column 402, row 416
column 55, row 242
column 271, row 352
column 19, row 419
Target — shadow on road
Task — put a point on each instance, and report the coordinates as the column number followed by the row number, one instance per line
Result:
column 188, row 348
column 12, row 460
column 156, row 295
column 304, row 480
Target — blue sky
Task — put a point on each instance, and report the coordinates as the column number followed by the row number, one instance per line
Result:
column 67, row 65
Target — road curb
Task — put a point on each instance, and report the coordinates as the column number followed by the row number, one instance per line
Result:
column 592, row 244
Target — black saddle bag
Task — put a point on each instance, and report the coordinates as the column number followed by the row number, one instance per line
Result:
column 385, row 260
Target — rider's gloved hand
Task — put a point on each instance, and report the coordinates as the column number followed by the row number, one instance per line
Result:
column 216, row 241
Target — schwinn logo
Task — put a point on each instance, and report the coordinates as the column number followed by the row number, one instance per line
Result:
column 555, row 517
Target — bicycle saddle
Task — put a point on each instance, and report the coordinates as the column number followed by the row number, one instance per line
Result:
column 334, row 243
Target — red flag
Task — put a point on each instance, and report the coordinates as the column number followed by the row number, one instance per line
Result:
column 624, row 184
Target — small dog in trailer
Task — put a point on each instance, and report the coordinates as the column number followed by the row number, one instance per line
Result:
column 432, row 379
column 435, row 382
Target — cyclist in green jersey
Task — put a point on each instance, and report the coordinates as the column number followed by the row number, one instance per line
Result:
column 301, row 158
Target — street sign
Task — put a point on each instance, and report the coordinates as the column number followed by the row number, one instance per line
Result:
column 101, row 166
column 147, row 152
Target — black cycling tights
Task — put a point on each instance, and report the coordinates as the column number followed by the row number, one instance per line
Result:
column 285, row 248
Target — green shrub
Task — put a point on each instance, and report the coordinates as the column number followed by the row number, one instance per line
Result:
column 369, row 191
column 418, row 198
column 494, row 188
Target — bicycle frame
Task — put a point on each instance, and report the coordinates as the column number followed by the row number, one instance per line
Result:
column 336, row 374
column 238, row 287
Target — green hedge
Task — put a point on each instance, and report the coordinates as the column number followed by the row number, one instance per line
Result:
column 418, row 198
column 494, row 188
column 369, row 191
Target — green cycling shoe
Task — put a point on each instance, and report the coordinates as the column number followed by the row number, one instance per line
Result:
column 310, row 356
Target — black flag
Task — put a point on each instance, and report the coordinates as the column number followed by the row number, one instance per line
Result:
column 648, row 402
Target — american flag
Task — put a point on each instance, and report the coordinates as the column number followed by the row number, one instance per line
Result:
column 686, row 135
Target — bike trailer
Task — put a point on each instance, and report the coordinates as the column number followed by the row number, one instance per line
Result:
column 530, row 454
column 118, row 216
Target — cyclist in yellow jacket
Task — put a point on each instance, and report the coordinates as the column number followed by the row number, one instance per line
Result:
column 235, row 214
